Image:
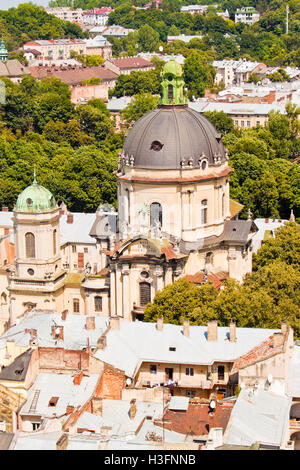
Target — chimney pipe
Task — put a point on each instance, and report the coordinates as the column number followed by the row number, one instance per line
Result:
column 90, row 323
column 114, row 323
column 186, row 328
column 4, row 209
column 232, row 331
column 64, row 315
column 160, row 324
column 212, row 330
column 78, row 378
column 132, row 409
column 70, row 218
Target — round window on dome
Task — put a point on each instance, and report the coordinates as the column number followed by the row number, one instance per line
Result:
column 29, row 202
column 156, row 146
column 30, row 271
column 145, row 275
column 170, row 78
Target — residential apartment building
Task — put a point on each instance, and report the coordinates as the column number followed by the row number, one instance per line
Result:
column 54, row 49
column 96, row 16
column 66, row 13
column 246, row 15
column 235, row 71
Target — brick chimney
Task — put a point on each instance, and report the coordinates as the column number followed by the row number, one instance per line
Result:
column 70, row 218
column 232, row 331
column 160, row 324
column 69, row 409
column 186, row 328
column 212, row 330
column 64, row 315
column 4, row 209
column 6, row 231
column 114, row 323
column 57, row 332
column 90, row 323
column 278, row 339
column 78, row 378
column 132, row 409
column 101, row 344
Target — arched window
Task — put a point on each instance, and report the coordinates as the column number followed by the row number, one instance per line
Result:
column 98, row 303
column 155, row 214
column 170, row 92
column 208, row 257
column 76, row 307
column 145, row 293
column 204, row 211
column 223, row 204
column 54, row 242
column 30, row 245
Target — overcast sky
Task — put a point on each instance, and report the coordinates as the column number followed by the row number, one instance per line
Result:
column 6, row 4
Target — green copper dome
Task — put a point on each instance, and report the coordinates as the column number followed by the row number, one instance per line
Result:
column 35, row 198
column 172, row 67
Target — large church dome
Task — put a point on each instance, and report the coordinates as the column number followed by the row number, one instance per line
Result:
column 170, row 136
column 173, row 135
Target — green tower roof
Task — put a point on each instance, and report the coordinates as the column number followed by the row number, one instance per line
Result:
column 35, row 198
column 172, row 84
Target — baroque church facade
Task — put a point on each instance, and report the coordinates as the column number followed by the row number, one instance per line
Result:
column 175, row 219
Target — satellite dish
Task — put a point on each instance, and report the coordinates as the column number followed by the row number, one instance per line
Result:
column 242, row 385
column 212, row 404
column 160, row 48
column 270, row 378
column 128, row 381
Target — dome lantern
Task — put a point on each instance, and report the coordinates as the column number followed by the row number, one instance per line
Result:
column 172, row 84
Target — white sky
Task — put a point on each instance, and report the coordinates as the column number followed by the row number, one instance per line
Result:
column 6, row 4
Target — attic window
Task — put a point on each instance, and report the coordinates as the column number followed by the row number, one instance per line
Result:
column 172, row 348
column 29, row 201
column 53, row 401
column 156, row 146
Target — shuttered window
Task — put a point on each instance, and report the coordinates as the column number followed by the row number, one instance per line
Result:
column 145, row 293
column 98, row 303
column 30, row 245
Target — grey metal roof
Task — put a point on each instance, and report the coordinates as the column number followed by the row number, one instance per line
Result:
column 184, row 134
column 17, row 370
column 261, row 416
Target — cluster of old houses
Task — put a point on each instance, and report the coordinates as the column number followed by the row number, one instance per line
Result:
column 80, row 382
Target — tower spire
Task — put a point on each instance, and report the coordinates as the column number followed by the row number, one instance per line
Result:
column 172, row 84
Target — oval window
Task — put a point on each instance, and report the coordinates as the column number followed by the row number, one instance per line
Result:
column 156, row 146
column 29, row 202
column 30, row 271
column 145, row 275
column 203, row 164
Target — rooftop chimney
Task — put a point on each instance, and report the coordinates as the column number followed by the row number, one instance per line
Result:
column 132, row 409
column 62, row 442
column 186, row 328
column 101, row 344
column 212, row 330
column 69, row 409
column 160, row 324
column 114, row 323
column 64, row 315
column 70, row 218
column 57, row 332
column 4, row 209
column 278, row 339
column 232, row 331
column 90, row 323
column 78, row 378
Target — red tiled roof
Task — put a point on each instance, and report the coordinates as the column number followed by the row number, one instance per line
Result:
column 259, row 353
column 132, row 62
column 215, row 278
column 197, row 419
column 73, row 76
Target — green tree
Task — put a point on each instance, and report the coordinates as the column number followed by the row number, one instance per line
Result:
column 148, row 38
column 140, row 105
